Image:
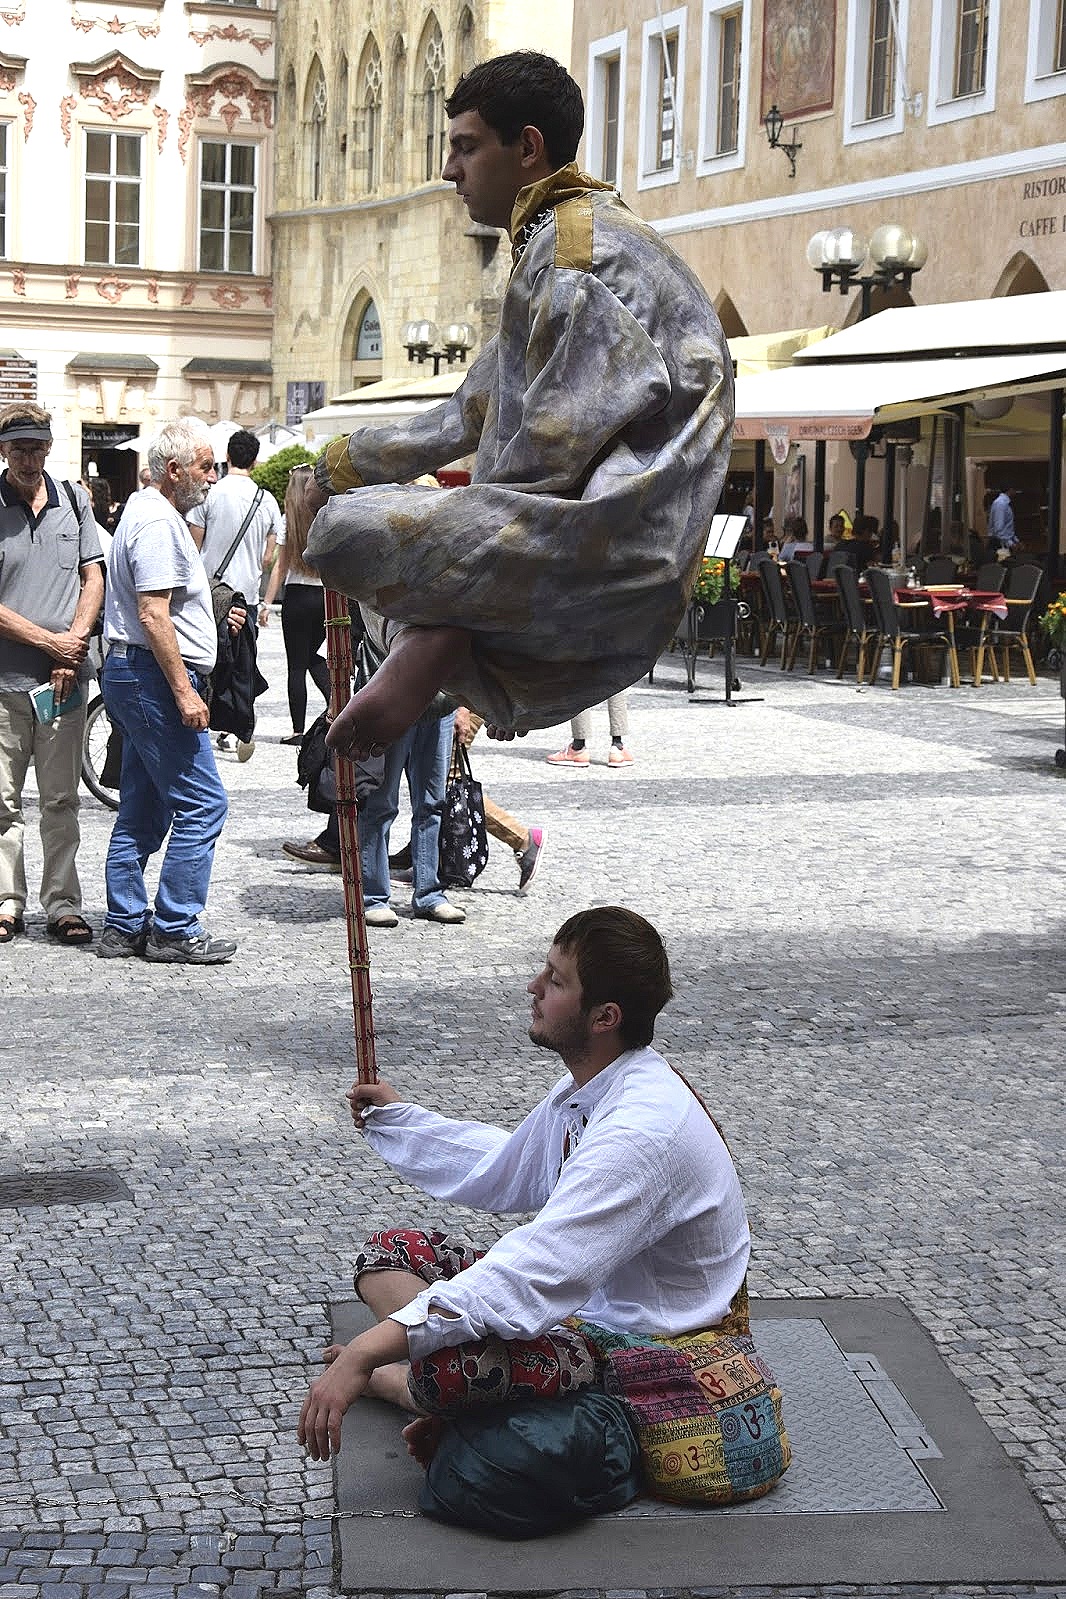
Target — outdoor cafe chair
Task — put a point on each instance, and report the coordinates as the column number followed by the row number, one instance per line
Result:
column 777, row 623
column 809, row 624
column 815, row 560
column 841, row 557
column 892, row 628
column 1020, row 593
column 856, row 622
column 991, row 577
column 939, row 569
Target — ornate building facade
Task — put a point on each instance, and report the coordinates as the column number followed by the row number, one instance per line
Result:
column 136, row 172
column 366, row 236
column 945, row 116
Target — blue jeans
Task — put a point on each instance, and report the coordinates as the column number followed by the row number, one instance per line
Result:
column 423, row 753
column 169, row 783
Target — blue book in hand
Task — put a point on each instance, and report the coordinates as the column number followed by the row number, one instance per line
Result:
column 45, row 708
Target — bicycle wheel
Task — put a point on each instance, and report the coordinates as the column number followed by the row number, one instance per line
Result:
column 101, row 754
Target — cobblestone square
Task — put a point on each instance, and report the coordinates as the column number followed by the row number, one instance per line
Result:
column 861, row 894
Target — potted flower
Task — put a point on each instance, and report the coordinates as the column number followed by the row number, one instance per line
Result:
column 709, row 607
column 1053, row 625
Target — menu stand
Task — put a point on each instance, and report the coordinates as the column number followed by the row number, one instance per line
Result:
column 722, row 541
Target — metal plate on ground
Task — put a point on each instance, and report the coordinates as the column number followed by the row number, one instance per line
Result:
column 99, row 1187
column 895, row 1479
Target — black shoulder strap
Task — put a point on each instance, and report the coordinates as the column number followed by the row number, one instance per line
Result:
column 241, row 531
column 73, row 498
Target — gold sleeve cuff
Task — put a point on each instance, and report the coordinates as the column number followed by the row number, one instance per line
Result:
column 342, row 474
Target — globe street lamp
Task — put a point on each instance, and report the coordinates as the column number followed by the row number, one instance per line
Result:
column 839, row 254
column 419, row 338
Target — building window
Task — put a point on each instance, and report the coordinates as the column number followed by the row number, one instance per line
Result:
column 397, row 112
column 606, row 105
column 1045, row 69
column 663, row 71
column 465, row 38
column 372, row 80
column 3, row 187
column 433, row 120
column 113, row 199
column 723, row 84
column 227, row 207
column 880, row 62
column 962, row 66
column 971, row 47
column 875, row 85
column 318, row 112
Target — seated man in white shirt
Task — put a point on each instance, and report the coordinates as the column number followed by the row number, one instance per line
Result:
column 639, row 1226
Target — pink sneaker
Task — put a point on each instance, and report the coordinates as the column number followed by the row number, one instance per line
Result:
column 569, row 757
column 619, row 756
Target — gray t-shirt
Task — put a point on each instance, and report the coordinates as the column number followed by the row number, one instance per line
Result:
column 40, row 574
column 221, row 515
column 152, row 551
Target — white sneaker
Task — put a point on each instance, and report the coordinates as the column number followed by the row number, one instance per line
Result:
column 245, row 750
column 381, row 916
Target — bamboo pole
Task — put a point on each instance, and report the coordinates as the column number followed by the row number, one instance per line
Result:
column 341, row 672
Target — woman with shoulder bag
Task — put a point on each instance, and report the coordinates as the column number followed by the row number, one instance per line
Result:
column 303, row 615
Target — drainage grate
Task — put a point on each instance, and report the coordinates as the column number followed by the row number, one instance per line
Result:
column 62, row 1188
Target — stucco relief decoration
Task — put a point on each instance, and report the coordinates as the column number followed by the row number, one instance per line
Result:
column 115, row 89
column 73, row 284
column 268, row 296
column 18, row 280
column 29, row 106
column 153, row 291
column 797, row 57
column 230, row 87
column 112, row 289
column 234, row 35
column 228, row 298
column 13, row 15
column 146, row 30
column 67, row 106
column 188, row 294
column 7, row 82
column 162, row 117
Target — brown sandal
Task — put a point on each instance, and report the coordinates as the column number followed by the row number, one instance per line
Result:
column 70, row 930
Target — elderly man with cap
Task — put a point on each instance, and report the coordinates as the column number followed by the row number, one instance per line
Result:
column 51, row 591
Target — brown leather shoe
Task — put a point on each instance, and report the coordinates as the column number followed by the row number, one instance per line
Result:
column 312, row 854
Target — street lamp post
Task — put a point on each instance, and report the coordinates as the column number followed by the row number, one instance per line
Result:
column 420, row 337
column 838, row 255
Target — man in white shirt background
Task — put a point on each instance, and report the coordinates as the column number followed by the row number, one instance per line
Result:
column 215, row 524
column 639, row 1223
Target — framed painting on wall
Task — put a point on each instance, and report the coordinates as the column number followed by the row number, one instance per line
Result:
column 798, row 50
column 796, row 486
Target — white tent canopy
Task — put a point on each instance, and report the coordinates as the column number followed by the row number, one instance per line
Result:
column 844, row 402
column 1022, row 324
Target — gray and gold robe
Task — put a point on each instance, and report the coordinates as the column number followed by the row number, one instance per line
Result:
column 601, row 418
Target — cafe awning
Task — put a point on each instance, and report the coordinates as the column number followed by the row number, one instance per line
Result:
column 1023, row 324
column 844, row 401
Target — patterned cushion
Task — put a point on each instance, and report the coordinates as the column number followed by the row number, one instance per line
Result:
column 707, row 1411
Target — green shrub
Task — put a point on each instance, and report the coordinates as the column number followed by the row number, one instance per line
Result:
column 273, row 475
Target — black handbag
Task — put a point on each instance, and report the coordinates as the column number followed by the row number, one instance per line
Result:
column 464, row 842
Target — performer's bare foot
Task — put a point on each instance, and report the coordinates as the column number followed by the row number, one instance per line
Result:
column 418, row 662
column 422, row 1437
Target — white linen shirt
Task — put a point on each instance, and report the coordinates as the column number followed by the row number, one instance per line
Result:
column 641, row 1228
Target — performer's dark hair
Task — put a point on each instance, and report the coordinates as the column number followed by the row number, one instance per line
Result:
column 524, row 89
column 620, row 958
column 242, row 449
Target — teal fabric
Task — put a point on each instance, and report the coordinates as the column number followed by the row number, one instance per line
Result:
column 520, row 1471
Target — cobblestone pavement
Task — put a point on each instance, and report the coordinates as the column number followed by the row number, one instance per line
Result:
column 862, row 897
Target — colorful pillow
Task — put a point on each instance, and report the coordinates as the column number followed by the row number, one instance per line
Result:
column 707, row 1413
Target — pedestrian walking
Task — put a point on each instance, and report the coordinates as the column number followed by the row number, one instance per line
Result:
column 303, row 611
column 576, row 753
column 159, row 627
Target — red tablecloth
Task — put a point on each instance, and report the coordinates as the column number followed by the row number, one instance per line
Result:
column 942, row 600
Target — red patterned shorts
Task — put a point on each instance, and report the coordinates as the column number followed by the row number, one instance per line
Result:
column 491, row 1371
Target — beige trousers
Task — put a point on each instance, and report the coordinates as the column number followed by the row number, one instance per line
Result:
column 56, row 755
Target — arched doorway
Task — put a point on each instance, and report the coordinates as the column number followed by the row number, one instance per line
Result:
column 1021, row 275
column 363, row 342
